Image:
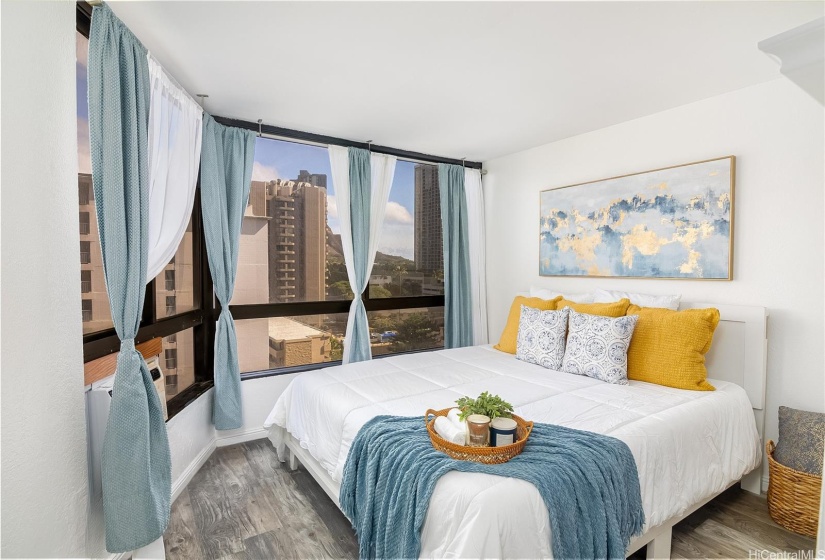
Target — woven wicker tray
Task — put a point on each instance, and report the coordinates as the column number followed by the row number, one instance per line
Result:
column 487, row 455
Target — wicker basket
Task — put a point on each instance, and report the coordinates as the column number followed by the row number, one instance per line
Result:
column 793, row 496
column 486, row 455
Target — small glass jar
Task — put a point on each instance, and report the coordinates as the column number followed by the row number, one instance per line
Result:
column 478, row 427
column 503, row 432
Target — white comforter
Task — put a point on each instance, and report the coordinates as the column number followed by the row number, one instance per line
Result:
column 688, row 445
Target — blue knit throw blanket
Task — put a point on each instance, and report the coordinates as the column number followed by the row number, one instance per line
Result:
column 588, row 481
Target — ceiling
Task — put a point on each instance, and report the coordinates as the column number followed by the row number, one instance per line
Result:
column 459, row 79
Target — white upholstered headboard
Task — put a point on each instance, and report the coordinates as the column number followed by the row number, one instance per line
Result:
column 739, row 355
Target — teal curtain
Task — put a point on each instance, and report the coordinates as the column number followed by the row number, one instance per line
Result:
column 136, row 462
column 227, row 155
column 458, row 317
column 360, row 200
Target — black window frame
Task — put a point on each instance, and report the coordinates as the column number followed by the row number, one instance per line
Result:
column 203, row 318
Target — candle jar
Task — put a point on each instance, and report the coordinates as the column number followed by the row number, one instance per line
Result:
column 478, row 427
column 502, row 432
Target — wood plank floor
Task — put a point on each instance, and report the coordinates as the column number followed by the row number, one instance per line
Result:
column 243, row 503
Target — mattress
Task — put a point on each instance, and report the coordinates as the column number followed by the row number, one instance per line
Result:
column 688, row 445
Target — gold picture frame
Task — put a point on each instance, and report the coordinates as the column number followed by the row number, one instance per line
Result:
column 668, row 223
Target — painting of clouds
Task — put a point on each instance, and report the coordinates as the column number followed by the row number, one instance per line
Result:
column 669, row 223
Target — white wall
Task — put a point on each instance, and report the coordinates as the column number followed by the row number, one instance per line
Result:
column 44, row 434
column 191, row 440
column 259, row 396
column 776, row 133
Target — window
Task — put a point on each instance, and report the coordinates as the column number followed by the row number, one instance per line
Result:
column 97, row 318
column 179, row 358
column 291, row 255
column 279, row 342
column 290, row 248
column 84, row 223
column 84, row 192
column 177, row 280
column 170, row 305
column 292, row 297
column 173, row 300
column 86, row 306
column 409, row 261
column 406, row 330
column 85, row 281
column 171, row 357
column 85, row 252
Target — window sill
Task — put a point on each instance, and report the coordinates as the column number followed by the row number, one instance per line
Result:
column 322, row 365
column 186, row 397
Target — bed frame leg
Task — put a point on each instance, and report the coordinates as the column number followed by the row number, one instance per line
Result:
column 659, row 548
column 292, row 460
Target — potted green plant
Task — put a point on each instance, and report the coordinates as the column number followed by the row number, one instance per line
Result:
column 486, row 404
column 479, row 413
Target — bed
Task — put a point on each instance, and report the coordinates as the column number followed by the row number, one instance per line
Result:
column 689, row 446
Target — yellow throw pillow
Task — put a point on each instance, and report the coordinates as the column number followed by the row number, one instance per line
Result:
column 668, row 347
column 615, row 309
column 507, row 342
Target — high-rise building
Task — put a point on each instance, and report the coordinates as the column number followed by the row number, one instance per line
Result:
column 314, row 179
column 427, row 251
column 95, row 302
column 251, row 280
column 297, row 240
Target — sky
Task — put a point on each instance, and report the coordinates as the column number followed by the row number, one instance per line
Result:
column 279, row 159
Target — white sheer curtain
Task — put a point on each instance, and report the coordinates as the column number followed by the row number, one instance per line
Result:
column 175, row 122
column 478, row 270
column 382, row 169
column 339, row 163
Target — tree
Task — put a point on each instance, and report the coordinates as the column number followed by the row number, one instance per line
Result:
column 379, row 291
column 336, row 348
column 415, row 332
column 341, row 289
column 411, row 288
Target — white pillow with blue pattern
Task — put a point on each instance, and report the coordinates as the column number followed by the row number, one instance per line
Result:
column 597, row 346
column 541, row 337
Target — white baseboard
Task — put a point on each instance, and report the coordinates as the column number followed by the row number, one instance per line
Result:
column 190, row 471
column 765, row 480
column 251, row 435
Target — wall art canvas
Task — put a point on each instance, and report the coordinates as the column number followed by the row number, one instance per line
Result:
column 675, row 222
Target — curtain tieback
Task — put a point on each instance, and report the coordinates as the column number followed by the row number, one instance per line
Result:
column 128, row 345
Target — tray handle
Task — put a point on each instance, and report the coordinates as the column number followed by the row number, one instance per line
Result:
column 430, row 412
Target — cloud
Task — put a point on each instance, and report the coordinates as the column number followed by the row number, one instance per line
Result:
column 332, row 208
column 261, row 172
column 398, row 240
column 84, row 158
column 332, row 214
column 397, row 214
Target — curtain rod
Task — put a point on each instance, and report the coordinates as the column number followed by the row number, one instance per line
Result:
column 310, row 138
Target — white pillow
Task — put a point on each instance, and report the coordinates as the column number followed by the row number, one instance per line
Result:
column 597, row 346
column 542, row 293
column 541, row 337
column 642, row 300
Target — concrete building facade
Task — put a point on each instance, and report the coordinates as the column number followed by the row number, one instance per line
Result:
column 428, row 253
column 297, row 240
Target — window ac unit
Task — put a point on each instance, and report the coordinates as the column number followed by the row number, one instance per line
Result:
column 98, row 401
